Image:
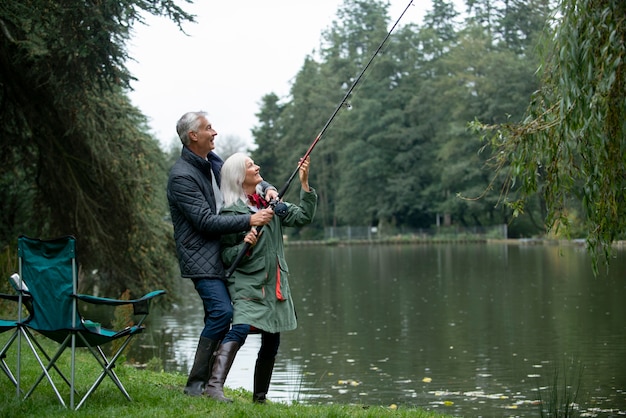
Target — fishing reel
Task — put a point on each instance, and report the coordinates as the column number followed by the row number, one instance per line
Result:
column 280, row 208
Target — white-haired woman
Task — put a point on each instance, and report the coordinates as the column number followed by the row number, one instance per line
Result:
column 259, row 286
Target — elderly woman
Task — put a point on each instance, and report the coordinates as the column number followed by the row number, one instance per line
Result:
column 259, row 287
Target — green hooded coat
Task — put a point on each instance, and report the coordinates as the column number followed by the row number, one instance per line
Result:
column 259, row 287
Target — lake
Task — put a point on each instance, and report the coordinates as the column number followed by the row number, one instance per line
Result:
column 465, row 329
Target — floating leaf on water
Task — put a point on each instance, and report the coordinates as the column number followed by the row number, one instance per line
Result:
column 350, row 382
column 448, row 403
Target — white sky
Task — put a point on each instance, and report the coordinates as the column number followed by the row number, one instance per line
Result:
column 237, row 52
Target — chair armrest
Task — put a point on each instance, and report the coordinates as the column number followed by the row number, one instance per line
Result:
column 9, row 297
column 115, row 302
column 27, row 299
column 15, row 298
column 140, row 306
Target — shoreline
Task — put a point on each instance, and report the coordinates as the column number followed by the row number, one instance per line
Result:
column 421, row 240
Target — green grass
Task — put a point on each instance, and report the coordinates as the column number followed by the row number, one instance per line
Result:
column 155, row 394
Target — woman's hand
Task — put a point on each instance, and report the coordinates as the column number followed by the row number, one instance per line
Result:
column 271, row 194
column 251, row 237
column 304, row 174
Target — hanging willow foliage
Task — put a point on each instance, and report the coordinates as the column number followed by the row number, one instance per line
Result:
column 572, row 145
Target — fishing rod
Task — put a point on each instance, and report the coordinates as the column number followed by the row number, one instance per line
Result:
column 341, row 104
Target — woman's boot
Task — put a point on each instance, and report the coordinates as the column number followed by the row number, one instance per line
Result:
column 201, row 369
column 262, row 376
column 223, row 361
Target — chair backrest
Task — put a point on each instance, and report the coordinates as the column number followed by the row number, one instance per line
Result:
column 48, row 267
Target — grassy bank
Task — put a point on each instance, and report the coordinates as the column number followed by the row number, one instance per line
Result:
column 157, row 394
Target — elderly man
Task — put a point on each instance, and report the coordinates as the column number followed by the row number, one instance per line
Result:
column 195, row 201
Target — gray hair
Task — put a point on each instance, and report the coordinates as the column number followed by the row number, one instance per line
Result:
column 233, row 175
column 190, row 121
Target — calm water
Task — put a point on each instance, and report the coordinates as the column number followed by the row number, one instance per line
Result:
column 467, row 329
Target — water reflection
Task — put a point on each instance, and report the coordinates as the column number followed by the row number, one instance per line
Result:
column 470, row 329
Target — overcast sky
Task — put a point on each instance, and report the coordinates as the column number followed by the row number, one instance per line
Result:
column 237, row 52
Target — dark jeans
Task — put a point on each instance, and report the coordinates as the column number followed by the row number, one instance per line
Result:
column 218, row 311
column 269, row 341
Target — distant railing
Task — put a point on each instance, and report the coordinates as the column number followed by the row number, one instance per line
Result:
column 347, row 233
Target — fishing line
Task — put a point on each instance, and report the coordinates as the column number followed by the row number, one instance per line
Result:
column 343, row 103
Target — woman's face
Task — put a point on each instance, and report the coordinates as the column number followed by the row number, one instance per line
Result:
column 252, row 174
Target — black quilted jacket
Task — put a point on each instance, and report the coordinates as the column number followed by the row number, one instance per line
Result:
column 197, row 228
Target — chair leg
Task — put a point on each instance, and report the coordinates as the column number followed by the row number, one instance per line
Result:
column 3, row 365
column 5, row 368
column 223, row 361
column 45, row 369
column 107, row 369
column 202, row 365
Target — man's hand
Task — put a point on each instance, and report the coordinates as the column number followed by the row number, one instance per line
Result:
column 262, row 217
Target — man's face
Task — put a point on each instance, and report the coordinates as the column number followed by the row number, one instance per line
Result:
column 204, row 138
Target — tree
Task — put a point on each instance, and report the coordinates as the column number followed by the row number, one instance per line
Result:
column 267, row 136
column 401, row 152
column 488, row 83
column 230, row 144
column 78, row 153
column 572, row 144
column 315, row 93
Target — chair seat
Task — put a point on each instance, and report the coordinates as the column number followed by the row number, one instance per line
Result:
column 6, row 325
column 104, row 336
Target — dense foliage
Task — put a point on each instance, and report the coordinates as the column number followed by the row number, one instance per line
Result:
column 76, row 157
column 402, row 155
column 571, row 147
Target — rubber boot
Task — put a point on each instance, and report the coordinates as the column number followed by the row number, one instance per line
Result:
column 223, row 361
column 262, row 377
column 201, row 369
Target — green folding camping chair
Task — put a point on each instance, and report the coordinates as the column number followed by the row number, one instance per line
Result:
column 13, row 326
column 49, row 270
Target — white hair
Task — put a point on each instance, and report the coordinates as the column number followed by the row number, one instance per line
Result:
column 233, row 175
